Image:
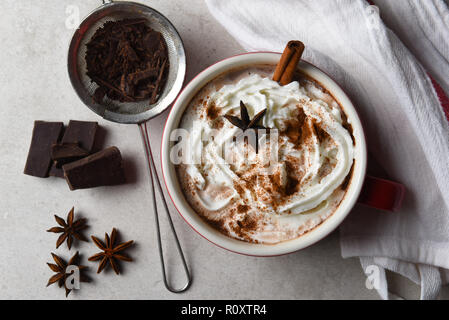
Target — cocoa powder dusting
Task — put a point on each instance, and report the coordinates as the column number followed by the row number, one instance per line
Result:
column 239, row 189
column 216, row 224
column 218, row 124
column 325, row 168
column 295, row 128
column 321, row 134
column 243, row 228
column 212, row 111
column 292, row 181
column 247, row 223
column 242, row 208
column 276, row 182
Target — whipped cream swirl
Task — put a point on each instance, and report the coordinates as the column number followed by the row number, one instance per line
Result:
column 314, row 154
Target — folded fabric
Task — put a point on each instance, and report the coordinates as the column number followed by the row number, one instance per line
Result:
column 423, row 26
column 406, row 127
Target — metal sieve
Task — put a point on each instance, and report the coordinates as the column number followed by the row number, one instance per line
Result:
column 133, row 112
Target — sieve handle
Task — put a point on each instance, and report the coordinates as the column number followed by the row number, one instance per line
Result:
column 154, row 177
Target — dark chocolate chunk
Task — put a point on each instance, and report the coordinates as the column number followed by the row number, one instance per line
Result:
column 100, row 169
column 68, row 151
column 81, row 132
column 45, row 134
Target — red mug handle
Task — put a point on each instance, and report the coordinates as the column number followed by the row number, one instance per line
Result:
column 382, row 194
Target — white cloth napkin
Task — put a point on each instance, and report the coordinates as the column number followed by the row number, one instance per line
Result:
column 423, row 26
column 406, row 127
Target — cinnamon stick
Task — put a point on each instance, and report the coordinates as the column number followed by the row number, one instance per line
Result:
column 286, row 67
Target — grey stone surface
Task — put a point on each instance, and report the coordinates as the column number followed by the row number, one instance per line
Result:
column 34, row 85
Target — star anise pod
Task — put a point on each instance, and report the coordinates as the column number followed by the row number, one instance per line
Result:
column 70, row 229
column 110, row 252
column 61, row 274
column 245, row 123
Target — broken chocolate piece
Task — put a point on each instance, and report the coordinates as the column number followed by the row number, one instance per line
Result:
column 137, row 76
column 158, row 82
column 45, row 134
column 151, row 40
column 67, row 151
column 103, row 168
column 128, row 61
column 81, row 132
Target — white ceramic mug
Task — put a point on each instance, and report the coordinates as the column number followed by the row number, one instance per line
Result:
column 307, row 239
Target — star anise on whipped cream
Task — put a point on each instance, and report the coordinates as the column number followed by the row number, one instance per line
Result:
column 245, row 123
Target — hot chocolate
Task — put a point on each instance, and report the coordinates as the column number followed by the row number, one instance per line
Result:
column 250, row 198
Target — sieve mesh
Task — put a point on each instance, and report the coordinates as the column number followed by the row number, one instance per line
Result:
column 125, row 112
